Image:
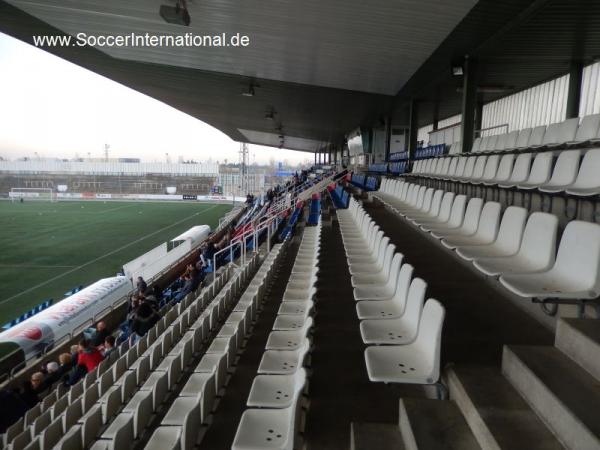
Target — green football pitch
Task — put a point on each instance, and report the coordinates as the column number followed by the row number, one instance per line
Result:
column 47, row 248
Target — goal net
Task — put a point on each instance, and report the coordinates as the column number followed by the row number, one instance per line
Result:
column 42, row 194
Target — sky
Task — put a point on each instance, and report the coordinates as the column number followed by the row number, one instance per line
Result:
column 50, row 107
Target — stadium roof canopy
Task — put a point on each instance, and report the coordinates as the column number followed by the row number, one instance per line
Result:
column 321, row 68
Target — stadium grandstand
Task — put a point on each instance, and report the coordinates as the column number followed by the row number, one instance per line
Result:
column 431, row 282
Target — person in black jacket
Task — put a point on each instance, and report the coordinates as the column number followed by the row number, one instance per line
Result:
column 144, row 318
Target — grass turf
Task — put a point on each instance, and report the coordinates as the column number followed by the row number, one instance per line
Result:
column 48, row 248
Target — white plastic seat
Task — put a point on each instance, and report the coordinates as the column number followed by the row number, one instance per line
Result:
column 276, row 391
column 119, row 434
column 487, row 228
column 289, row 340
column 523, row 138
column 401, row 330
column 365, row 281
column 503, row 171
column 381, row 291
column 587, row 131
column 565, row 172
column 266, row 429
column 447, row 219
column 91, row 424
column 537, row 136
column 541, row 169
column 385, row 257
column 71, row 440
column 214, row 364
column 165, row 438
column 185, row 414
column 443, row 214
column 587, row 182
column 463, row 221
column 50, row 436
column 283, row 362
column 294, row 308
column 201, row 385
column 507, row 241
column 394, row 307
column 520, row 171
column 290, row 322
column 536, row 252
column 511, row 140
column 432, row 212
column 467, row 173
column 140, row 407
column 478, row 170
column 417, row 362
column 576, row 270
column 158, row 384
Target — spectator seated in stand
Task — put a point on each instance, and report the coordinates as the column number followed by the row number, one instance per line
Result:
column 141, row 285
column 109, row 346
column 144, row 318
column 98, row 335
column 89, row 356
column 13, row 408
column 32, row 389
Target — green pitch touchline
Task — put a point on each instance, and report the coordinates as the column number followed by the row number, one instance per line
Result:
column 105, row 255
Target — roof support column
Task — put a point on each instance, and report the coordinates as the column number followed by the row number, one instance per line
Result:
column 388, row 137
column 574, row 94
column 413, row 127
column 469, row 103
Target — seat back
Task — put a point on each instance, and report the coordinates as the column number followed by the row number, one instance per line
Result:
column 90, row 428
column 476, row 145
column 458, row 211
column 565, row 169
column 429, row 337
column 479, row 167
column 394, row 272
column 491, row 143
column 436, row 202
column 427, row 200
column 505, row 168
column 587, row 177
column 540, row 169
column 123, row 437
column 567, row 130
column 470, row 166
column 414, row 305
column 452, row 167
column 472, row 215
column 501, row 142
column 491, row 167
column 484, row 144
column 551, row 136
column 538, row 246
column 537, row 136
column 511, row 229
column 520, row 171
column 588, row 129
column 403, row 285
column 460, row 166
column 511, row 140
column 52, row 434
column 446, row 206
column 578, row 256
column 523, row 138
column 489, row 221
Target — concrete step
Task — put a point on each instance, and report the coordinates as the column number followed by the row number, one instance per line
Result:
column 382, row 436
column 434, row 425
column 562, row 393
column 579, row 339
column 496, row 413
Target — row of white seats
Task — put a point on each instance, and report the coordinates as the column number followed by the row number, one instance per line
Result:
column 570, row 173
column 570, row 132
column 274, row 401
column 159, row 370
column 517, row 246
column 180, row 427
column 129, row 395
column 45, row 424
column 391, row 305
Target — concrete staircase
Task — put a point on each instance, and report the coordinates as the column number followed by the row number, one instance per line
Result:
column 543, row 397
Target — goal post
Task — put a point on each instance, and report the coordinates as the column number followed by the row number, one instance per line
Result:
column 41, row 194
